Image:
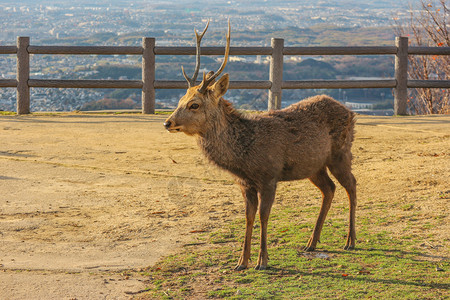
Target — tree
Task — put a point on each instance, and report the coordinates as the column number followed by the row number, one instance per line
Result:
column 428, row 26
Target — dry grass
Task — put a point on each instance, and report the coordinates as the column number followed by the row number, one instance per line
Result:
column 110, row 192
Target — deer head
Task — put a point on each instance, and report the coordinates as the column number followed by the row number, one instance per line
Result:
column 200, row 102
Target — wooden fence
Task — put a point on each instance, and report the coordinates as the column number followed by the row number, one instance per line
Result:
column 275, row 84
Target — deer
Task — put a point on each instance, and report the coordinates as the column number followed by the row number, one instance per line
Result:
column 301, row 141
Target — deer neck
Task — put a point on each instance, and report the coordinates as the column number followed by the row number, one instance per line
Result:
column 227, row 138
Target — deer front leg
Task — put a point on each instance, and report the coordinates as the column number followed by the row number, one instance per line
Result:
column 251, row 206
column 267, row 196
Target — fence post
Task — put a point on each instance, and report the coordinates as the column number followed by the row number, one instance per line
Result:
column 401, row 75
column 23, row 75
column 276, row 74
column 148, row 76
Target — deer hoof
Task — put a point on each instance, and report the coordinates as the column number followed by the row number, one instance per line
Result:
column 240, row 268
column 309, row 248
column 260, row 267
column 349, row 247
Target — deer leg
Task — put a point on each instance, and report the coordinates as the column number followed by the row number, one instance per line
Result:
column 327, row 187
column 341, row 169
column 251, row 206
column 351, row 236
column 266, row 198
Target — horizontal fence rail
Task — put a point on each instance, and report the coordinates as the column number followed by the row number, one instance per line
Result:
column 429, row 50
column 8, row 83
column 85, row 50
column 8, row 50
column 275, row 84
column 429, row 84
column 339, row 50
column 86, row 84
column 251, row 84
column 213, row 51
column 338, row 84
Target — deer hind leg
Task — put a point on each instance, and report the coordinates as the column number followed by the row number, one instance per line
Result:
column 266, row 198
column 327, row 187
column 341, row 169
column 251, row 206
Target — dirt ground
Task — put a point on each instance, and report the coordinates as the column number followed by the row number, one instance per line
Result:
column 88, row 200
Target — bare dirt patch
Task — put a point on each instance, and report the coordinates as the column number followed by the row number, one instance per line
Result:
column 87, row 200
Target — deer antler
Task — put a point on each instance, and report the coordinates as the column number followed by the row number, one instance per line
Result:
column 191, row 81
column 207, row 81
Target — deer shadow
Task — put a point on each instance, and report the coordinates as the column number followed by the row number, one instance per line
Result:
column 367, row 277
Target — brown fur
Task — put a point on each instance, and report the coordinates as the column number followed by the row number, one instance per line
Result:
column 298, row 142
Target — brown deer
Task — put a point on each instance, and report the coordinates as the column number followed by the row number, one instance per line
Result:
column 300, row 141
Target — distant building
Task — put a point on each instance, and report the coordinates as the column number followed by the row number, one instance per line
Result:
column 358, row 105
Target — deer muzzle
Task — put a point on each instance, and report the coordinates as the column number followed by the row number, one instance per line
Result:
column 167, row 124
column 170, row 126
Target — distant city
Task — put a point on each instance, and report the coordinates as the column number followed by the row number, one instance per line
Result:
column 46, row 20
column 125, row 22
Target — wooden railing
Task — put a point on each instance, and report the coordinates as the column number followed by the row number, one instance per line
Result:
column 275, row 84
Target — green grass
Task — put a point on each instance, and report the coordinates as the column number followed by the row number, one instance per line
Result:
column 6, row 113
column 382, row 266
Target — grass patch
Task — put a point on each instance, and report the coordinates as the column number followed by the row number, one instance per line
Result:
column 6, row 113
column 382, row 266
column 407, row 207
column 163, row 112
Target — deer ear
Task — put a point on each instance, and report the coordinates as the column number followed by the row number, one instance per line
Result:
column 221, row 86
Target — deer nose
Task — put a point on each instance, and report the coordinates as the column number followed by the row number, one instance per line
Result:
column 167, row 124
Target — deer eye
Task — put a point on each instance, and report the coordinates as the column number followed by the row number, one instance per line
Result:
column 194, row 106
